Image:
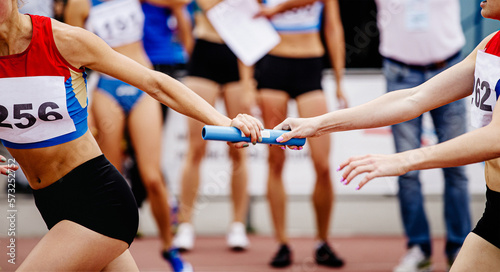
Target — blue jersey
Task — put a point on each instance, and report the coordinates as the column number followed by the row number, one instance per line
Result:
column 160, row 36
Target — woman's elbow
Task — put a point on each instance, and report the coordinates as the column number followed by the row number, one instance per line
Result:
column 152, row 83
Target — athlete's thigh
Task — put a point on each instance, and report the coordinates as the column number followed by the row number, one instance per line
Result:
column 124, row 262
column 208, row 90
column 71, row 247
column 313, row 104
column 110, row 123
column 274, row 105
column 477, row 255
column 145, row 130
column 232, row 99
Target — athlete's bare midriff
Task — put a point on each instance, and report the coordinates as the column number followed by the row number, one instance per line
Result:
column 299, row 45
column 204, row 30
column 44, row 166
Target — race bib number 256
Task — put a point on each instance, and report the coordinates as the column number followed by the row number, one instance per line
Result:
column 33, row 109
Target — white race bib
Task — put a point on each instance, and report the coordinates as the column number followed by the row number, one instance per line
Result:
column 484, row 96
column 33, row 109
column 417, row 15
column 117, row 22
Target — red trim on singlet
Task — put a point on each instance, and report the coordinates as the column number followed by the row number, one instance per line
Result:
column 493, row 46
column 41, row 57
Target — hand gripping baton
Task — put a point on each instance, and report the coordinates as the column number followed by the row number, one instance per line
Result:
column 232, row 134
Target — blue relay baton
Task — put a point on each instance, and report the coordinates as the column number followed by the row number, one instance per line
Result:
column 232, row 134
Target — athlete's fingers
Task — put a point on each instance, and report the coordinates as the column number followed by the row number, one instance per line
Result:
column 365, row 180
column 8, row 169
column 238, row 145
column 249, row 125
column 240, row 123
column 257, row 126
column 358, row 169
column 295, row 147
column 348, row 165
column 285, row 125
column 254, row 128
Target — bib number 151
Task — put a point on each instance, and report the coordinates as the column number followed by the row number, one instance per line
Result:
column 24, row 113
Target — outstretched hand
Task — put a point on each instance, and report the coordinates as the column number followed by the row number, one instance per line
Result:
column 250, row 126
column 299, row 128
column 6, row 169
column 374, row 166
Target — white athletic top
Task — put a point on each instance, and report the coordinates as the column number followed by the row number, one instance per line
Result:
column 117, row 22
column 429, row 29
column 38, row 7
column 303, row 19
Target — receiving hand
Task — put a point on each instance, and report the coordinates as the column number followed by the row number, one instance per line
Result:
column 374, row 166
column 299, row 128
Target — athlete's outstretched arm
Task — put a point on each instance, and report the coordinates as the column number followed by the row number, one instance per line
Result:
column 476, row 146
column 394, row 107
column 84, row 49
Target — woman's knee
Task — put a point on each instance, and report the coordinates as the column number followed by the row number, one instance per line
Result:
column 195, row 153
column 322, row 169
column 237, row 156
column 276, row 160
column 154, row 183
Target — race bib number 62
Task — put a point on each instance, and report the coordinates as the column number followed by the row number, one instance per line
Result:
column 484, row 96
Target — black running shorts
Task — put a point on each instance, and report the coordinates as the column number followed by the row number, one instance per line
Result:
column 295, row 76
column 94, row 195
column 213, row 61
column 488, row 226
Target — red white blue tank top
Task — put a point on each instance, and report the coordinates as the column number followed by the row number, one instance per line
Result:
column 485, row 96
column 487, row 83
column 43, row 98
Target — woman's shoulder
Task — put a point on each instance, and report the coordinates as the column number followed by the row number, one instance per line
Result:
column 74, row 43
column 65, row 31
column 492, row 41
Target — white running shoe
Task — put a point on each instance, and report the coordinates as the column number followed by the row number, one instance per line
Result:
column 184, row 238
column 237, row 237
column 414, row 261
column 187, row 267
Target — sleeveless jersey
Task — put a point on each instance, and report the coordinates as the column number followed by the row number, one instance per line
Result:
column 485, row 95
column 160, row 36
column 43, row 98
column 303, row 19
column 117, row 22
column 487, row 83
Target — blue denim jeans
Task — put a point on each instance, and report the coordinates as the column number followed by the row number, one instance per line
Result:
column 449, row 122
